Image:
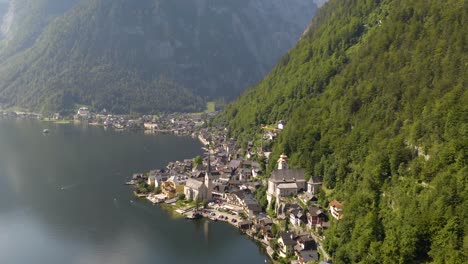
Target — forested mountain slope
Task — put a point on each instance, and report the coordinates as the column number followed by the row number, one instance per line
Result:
column 375, row 98
column 141, row 56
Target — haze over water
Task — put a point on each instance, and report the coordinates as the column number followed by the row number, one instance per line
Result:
column 62, row 200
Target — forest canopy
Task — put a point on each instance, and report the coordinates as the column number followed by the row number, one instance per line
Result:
column 375, row 100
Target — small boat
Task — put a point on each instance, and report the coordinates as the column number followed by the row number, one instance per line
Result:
column 193, row 216
column 118, row 127
column 45, row 131
column 153, row 199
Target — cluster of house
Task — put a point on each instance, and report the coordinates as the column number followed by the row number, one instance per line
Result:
column 229, row 179
column 285, row 182
column 106, row 119
column 271, row 133
column 28, row 115
column 179, row 124
column 216, row 178
column 20, row 114
column 302, row 245
column 229, row 175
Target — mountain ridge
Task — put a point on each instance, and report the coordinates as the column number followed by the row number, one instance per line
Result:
column 207, row 49
column 374, row 99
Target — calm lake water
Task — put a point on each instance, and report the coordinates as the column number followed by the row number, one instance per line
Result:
column 62, row 200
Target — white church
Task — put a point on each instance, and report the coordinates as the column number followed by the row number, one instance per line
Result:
column 198, row 188
column 285, row 182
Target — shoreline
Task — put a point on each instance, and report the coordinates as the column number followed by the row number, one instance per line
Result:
column 183, row 124
column 220, row 211
column 53, row 121
column 172, row 210
column 214, row 141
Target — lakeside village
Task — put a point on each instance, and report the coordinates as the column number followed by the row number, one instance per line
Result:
column 184, row 124
column 226, row 185
column 280, row 210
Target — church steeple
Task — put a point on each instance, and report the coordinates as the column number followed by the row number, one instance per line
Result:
column 283, row 162
column 207, row 182
column 208, row 170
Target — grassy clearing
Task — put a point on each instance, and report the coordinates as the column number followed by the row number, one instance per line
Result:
column 50, row 120
column 210, row 107
column 184, row 204
column 269, row 128
column 328, row 192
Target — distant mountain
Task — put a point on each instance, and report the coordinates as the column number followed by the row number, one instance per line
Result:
column 3, row 8
column 320, row 2
column 24, row 20
column 143, row 56
column 375, row 100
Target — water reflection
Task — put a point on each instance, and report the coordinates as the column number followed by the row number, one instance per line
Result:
column 62, row 200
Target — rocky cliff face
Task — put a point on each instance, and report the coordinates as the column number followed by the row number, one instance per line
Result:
column 24, row 20
column 8, row 13
column 207, row 48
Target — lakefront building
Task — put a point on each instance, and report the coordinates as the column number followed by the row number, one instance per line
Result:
column 195, row 188
column 201, row 189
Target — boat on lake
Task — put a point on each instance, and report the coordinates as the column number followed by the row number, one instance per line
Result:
column 193, row 215
column 132, row 182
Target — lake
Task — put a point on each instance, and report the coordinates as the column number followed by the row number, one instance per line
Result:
column 63, row 200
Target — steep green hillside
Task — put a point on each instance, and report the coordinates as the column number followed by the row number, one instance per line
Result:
column 375, row 98
column 122, row 54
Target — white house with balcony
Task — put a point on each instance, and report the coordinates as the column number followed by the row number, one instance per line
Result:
column 336, row 209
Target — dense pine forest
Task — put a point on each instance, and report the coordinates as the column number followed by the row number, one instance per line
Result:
column 375, row 99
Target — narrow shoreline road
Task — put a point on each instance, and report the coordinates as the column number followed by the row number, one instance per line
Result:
column 319, row 245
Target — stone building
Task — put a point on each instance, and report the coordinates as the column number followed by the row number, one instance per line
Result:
column 286, row 182
column 201, row 189
column 314, row 185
